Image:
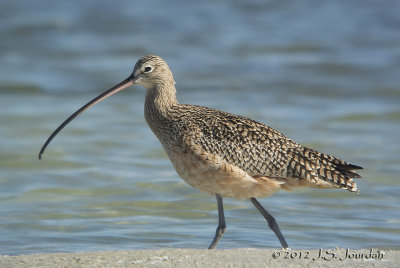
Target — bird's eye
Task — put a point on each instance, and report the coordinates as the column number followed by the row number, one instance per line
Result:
column 147, row 69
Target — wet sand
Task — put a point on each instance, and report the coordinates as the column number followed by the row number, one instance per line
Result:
column 210, row 258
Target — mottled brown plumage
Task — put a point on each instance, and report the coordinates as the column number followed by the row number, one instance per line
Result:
column 225, row 154
column 214, row 140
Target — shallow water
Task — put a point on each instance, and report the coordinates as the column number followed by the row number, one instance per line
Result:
column 324, row 74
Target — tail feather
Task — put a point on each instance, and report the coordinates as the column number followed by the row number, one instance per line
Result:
column 350, row 167
column 348, row 170
column 325, row 167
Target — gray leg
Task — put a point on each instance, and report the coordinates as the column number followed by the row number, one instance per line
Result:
column 221, row 223
column 271, row 223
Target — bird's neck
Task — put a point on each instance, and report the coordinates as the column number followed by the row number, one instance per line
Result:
column 159, row 101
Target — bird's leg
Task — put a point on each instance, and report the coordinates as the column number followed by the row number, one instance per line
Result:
column 273, row 225
column 221, row 223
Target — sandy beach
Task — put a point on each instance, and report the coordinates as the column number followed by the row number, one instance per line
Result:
column 214, row 258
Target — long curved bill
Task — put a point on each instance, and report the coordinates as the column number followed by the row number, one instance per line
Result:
column 124, row 84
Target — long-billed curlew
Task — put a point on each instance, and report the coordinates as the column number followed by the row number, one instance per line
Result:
column 225, row 154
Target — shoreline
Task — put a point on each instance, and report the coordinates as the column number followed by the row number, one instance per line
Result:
column 246, row 257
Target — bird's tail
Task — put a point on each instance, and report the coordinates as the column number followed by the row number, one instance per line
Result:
column 320, row 166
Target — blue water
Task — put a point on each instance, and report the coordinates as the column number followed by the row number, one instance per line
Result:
column 325, row 73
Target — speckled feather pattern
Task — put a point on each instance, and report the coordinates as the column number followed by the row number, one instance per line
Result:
column 232, row 155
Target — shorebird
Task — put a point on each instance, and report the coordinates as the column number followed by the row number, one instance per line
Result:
column 224, row 154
